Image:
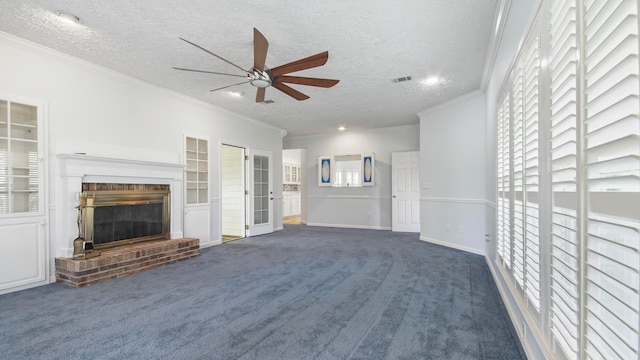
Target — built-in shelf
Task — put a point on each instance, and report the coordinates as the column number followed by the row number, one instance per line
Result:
column 197, row 171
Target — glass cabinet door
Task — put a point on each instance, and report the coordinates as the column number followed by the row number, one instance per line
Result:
column 197, row 170
column 19, row 159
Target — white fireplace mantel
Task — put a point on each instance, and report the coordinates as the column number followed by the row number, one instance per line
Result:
column 74, row 169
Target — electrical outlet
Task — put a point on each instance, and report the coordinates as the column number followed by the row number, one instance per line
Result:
column 487, row 238
column 461, row 229
column 447, row 227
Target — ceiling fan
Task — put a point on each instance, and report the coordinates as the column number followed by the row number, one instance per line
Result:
column 262, row 77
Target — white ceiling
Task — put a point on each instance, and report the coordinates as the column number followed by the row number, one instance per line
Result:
column 369, row 43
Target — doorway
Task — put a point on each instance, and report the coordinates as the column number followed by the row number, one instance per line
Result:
column 260, row 192
column 291, row 186
column 232, row 198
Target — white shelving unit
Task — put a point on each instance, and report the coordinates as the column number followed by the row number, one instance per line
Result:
column 291, row 174
column 19, row 159
column 22, row 216
column 197, row 184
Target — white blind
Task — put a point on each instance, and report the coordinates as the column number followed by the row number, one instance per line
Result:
column 564, row 242
column 503, row 154
column 518, row 176
column 532, row 172
column 612, row 155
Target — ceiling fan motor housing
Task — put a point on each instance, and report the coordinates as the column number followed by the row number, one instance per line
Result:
column 260, row 79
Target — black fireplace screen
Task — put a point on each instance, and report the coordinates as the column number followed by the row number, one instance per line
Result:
column 113, row 223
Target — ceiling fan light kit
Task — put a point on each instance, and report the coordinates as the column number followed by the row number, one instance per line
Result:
column 262, row 78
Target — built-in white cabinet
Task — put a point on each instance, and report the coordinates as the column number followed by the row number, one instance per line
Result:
column 197, row 210
column 290, row 205
column 19, row 159
column 197, row 172
column 23, row 251
column 291, row 174
column 291, row 177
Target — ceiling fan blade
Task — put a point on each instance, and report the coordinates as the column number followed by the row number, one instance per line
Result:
column 290, row 91
column 224, row 87
column 302, row 64
column 260, row 95
column 210, row 72
column 260, row 47
column 325, row 83
column 209, row 52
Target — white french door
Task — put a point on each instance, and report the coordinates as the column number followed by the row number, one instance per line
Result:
column 405, row 191
column 260, row 192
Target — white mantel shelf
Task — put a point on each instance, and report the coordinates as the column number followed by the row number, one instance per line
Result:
column 83, row 157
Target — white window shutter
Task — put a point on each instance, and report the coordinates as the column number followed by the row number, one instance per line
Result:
column 563, row 65
column 504, row 186
column 518, row 238
column 612, row 166
column 532, row 171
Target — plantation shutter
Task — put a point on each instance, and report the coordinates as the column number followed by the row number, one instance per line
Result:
column 564, row 238
column 612, row 164
column 518, row 177
column 532, row 173
column 504, row 195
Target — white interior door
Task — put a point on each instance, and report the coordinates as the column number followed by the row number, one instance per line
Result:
column 405, row 191
column 232, row 191
column 260, row 192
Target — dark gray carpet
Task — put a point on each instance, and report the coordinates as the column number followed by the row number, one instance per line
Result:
column 300, row 293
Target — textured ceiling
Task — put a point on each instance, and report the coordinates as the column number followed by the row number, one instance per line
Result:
column 369, row 43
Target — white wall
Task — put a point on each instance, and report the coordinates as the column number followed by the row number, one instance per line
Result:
column 103, row 113
column 452, row 151
column 363, row 207
column 291, row 156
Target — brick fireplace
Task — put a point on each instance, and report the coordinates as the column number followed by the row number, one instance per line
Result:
column 126, row 216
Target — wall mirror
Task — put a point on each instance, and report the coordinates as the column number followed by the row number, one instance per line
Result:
column 350, row 170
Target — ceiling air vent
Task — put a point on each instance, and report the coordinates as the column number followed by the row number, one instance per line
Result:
column 401, row 79
column 268, row 102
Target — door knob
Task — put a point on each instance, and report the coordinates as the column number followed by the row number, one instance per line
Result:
column 394, row 196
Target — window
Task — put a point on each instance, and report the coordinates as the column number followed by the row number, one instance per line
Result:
column 19, row 160
column 611, row 161
column 197, row 155
column 563, row 66
column 262, row 194
column 581, row 116
column 347, row 170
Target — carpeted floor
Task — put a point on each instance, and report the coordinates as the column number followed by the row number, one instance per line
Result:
column 301, row 293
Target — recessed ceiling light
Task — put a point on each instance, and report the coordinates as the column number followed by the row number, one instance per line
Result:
column 431, row 81
column 342, row 128
column 68, row 17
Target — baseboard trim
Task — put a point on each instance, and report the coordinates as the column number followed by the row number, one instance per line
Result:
column 211, row 243
column 527, row 342
column 349, row 226
column 454, row 246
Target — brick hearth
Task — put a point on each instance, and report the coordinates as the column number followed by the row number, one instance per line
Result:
column 125, row 260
